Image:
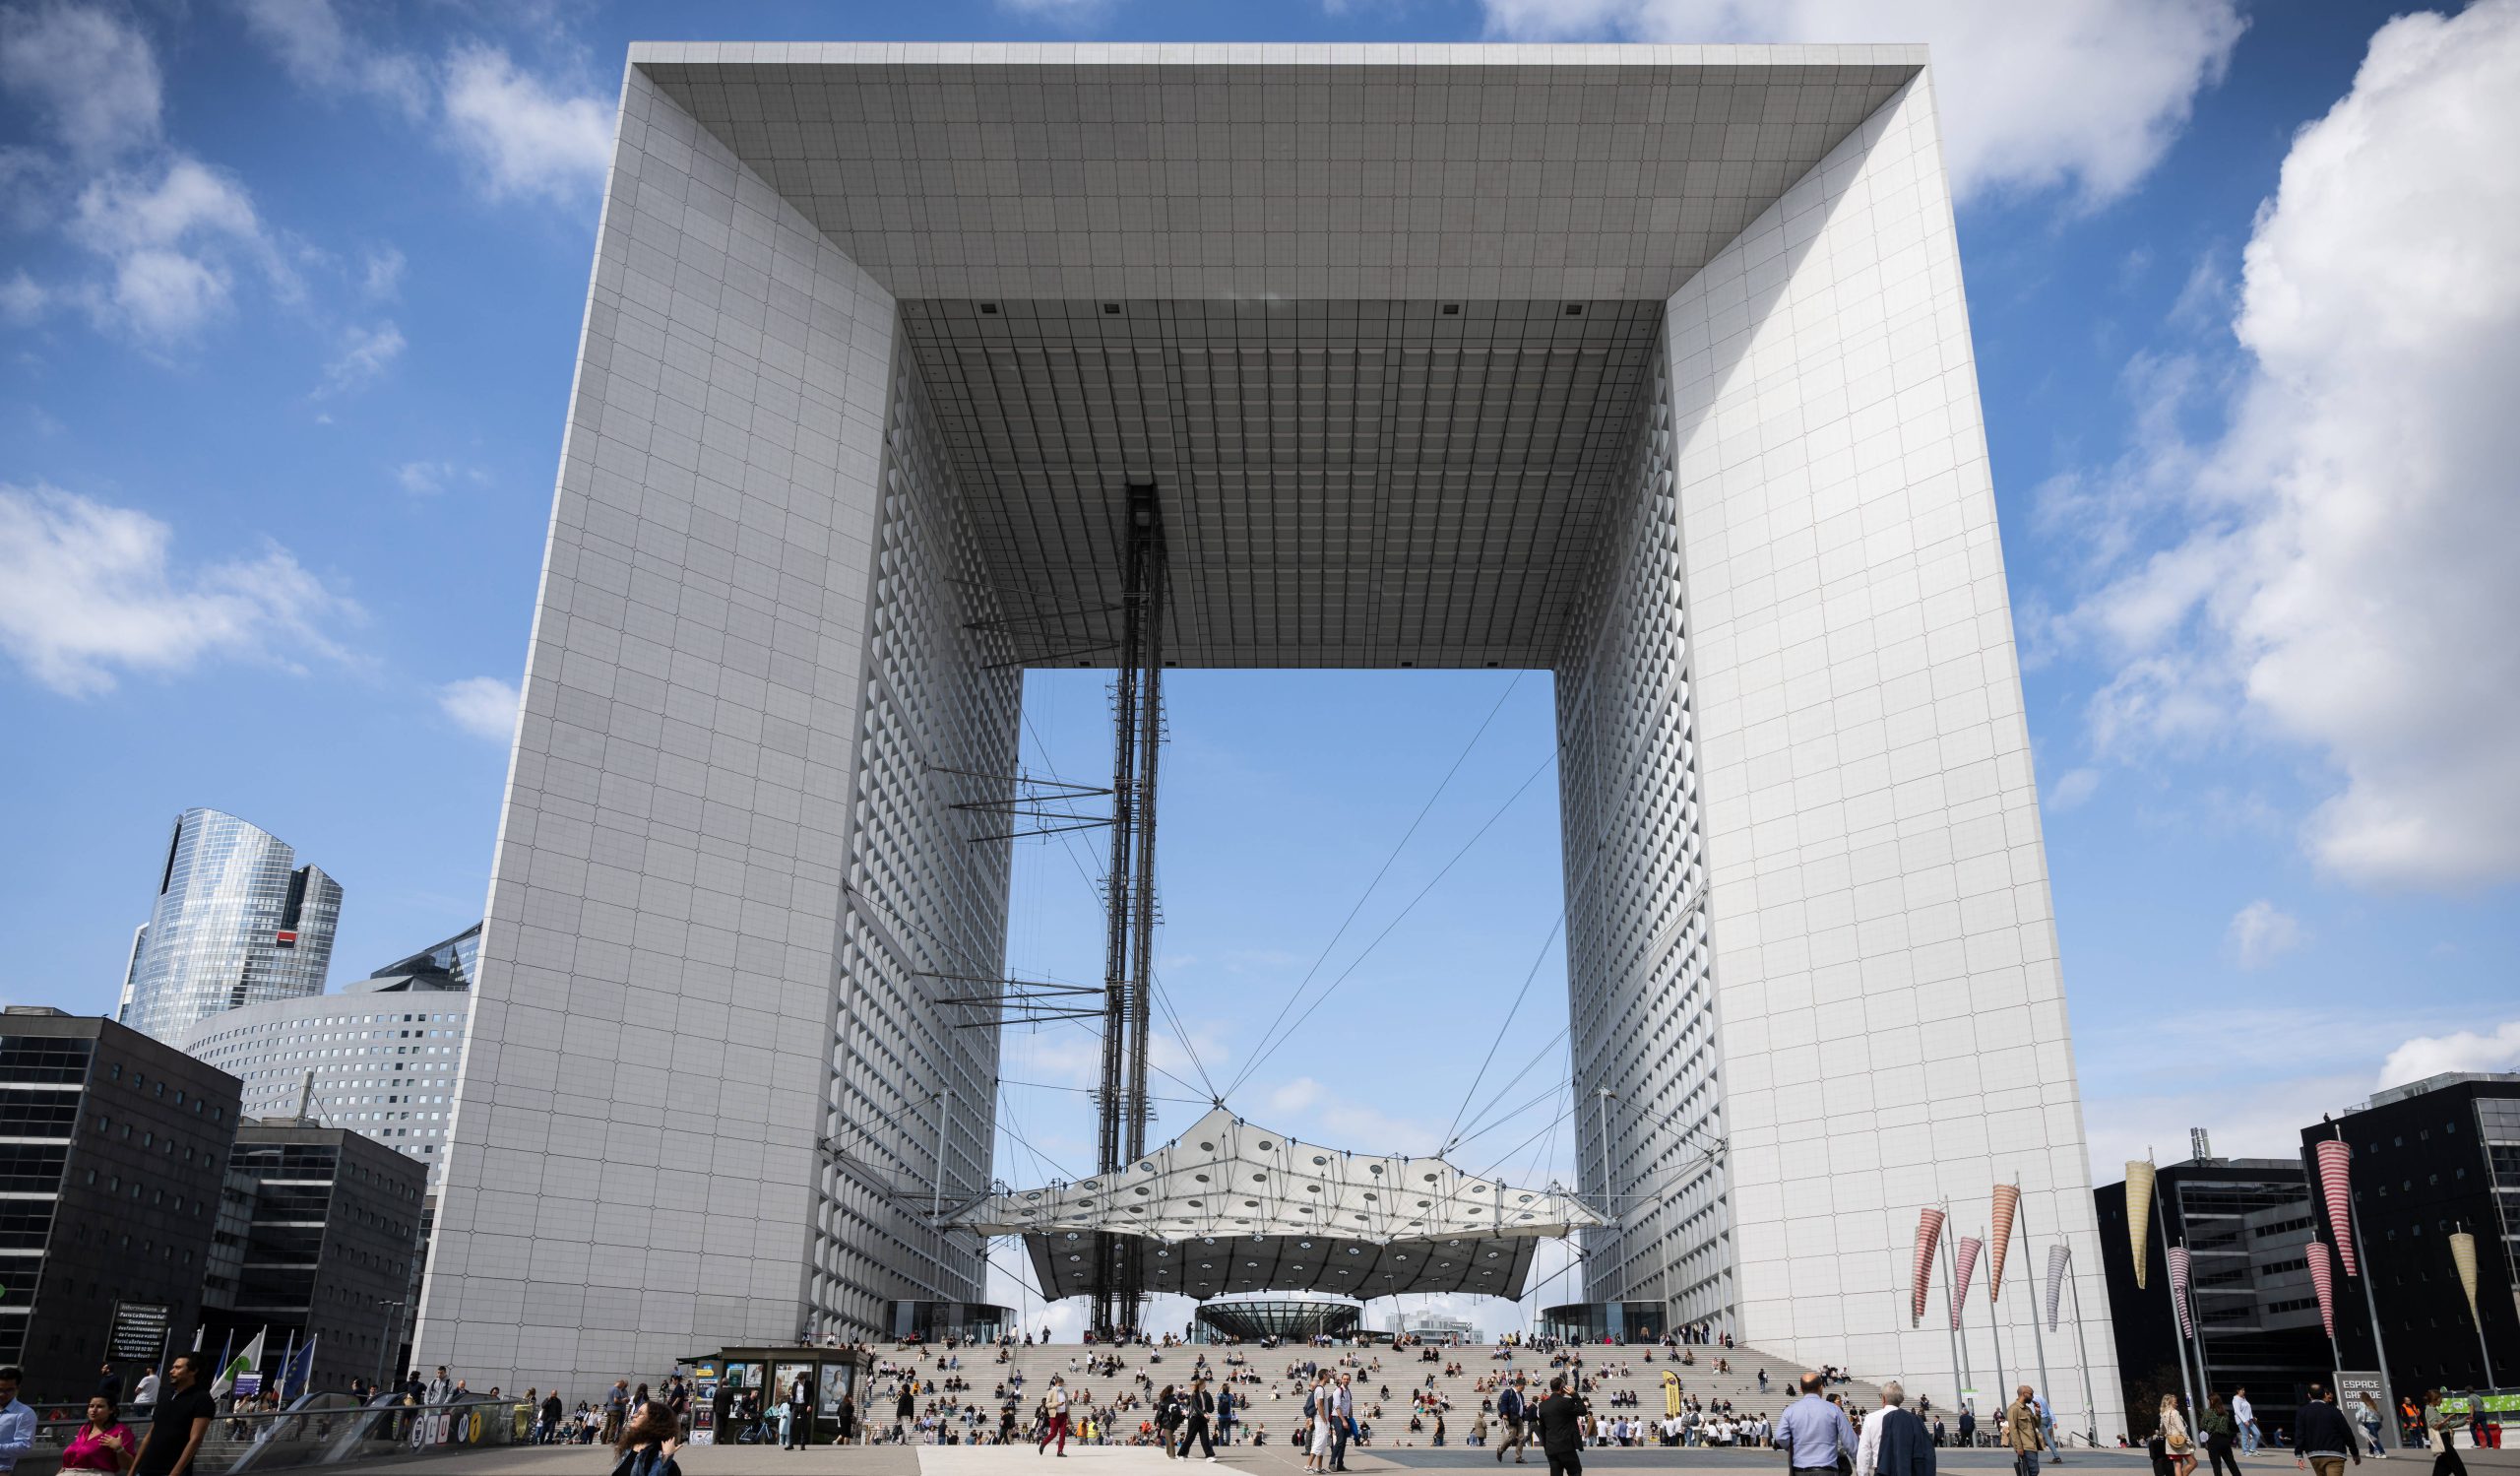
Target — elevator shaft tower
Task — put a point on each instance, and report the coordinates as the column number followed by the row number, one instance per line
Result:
column 1128, row 973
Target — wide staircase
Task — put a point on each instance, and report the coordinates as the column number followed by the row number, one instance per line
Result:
column 1275, row 1401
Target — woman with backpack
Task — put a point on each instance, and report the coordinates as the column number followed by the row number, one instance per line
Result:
column 649, row 1439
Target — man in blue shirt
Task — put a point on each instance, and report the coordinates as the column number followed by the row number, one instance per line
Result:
column 16, row 1421
column 1813, row 1433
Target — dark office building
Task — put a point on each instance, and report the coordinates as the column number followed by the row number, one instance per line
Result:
column 330, row 1227
column 2431, row 1159
column 2244, row 1222
column 112, row 1150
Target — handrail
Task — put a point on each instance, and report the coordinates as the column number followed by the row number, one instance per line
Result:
column 319, row 1430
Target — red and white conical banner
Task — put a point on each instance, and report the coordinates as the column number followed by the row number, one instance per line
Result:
column 2139, row 1213
column 2008, row 1203
column 2179, row 1289
column 2057, row 1257
column 2463, row 1254
column 2323, row 1283
column 1928, row 1236
column 2336, row 1181
column 1969, row 1248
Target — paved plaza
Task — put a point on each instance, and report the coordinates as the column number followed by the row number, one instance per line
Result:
column 1115, row 1460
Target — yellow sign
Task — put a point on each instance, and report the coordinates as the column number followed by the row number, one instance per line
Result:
column 1670, row 1393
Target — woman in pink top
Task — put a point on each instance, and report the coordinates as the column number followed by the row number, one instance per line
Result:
column 103, row 1444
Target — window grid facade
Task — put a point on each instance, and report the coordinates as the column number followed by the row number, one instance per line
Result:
column 1638, row 961
column 926, row 898
column 237, row 921
column 382, row 1063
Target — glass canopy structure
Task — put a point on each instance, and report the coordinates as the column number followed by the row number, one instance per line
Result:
column 1235, row 1208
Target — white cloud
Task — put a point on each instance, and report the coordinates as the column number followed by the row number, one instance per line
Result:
column 170, row 237
column 526, row 138
column 383, row 278
column 2251, row 1089
column 87, row 590
column 366, row 352
column 22, row 299
column 1325, row 1114
column 2072, row 789
column 2079, row 93
column 2464, row 1051
column 317, row 49
column 87, row 73
column 2261, row 932
column 483, row 706
column 2340, row 576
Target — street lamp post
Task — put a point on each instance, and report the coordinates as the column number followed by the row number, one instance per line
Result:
column 385, row 1343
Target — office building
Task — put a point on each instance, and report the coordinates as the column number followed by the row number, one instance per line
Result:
column 450, row 963
column 330, row 1242
column 237, row 921
column 2244, row 1222
column 112, row 1150
column 1646, row 366
column 2433, row 1159
column 380, row 1057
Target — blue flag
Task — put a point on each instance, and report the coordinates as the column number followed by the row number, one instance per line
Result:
column 302, row 1369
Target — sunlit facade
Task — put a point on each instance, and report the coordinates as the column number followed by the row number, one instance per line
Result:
column 237, row 921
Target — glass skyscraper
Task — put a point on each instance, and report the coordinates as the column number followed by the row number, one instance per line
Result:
column 237, row 921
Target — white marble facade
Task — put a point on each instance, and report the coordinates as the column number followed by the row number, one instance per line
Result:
column 1809, row 929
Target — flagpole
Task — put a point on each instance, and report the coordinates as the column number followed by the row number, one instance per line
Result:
column 1959, row 1344
column 2161, row 1222
column 2038, row 1336
column 2082, row 1351
column 1995, row 1335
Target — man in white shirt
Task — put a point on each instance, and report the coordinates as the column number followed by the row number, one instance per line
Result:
column 2244, row 1415
column 16, row 1421
column 146, row 1395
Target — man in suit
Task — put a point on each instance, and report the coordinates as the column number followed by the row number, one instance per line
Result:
column 1895, row 1442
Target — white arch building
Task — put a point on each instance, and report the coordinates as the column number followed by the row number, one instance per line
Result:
column 1647, row 366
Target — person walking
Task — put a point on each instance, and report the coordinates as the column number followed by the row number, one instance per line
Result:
column 1343, row 1423
column 1895, row 1442
column 2244, row 1417
column 103, row 1444
column 2220, row 1427
column 1316, row 1413
column 1511, row 1416
column 2176, row 1446
column 1198, row 1417
column 1563, row 1421
column 1056, row 1426
column 1224, row 1416
column 16, row 1421
column 2322, row 1442
column 2022, row 1435
column 847, row 1420
column 1814, row 1431
column 2441, row 1430
column 182, row 1421
column 2371, row 1418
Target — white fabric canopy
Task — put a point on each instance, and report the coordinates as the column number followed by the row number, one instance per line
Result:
column 1232, row 1191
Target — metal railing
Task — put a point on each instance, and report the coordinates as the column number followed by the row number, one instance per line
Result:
column 320, row 1430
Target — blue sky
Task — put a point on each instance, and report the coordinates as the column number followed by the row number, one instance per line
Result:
column 288, row 309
